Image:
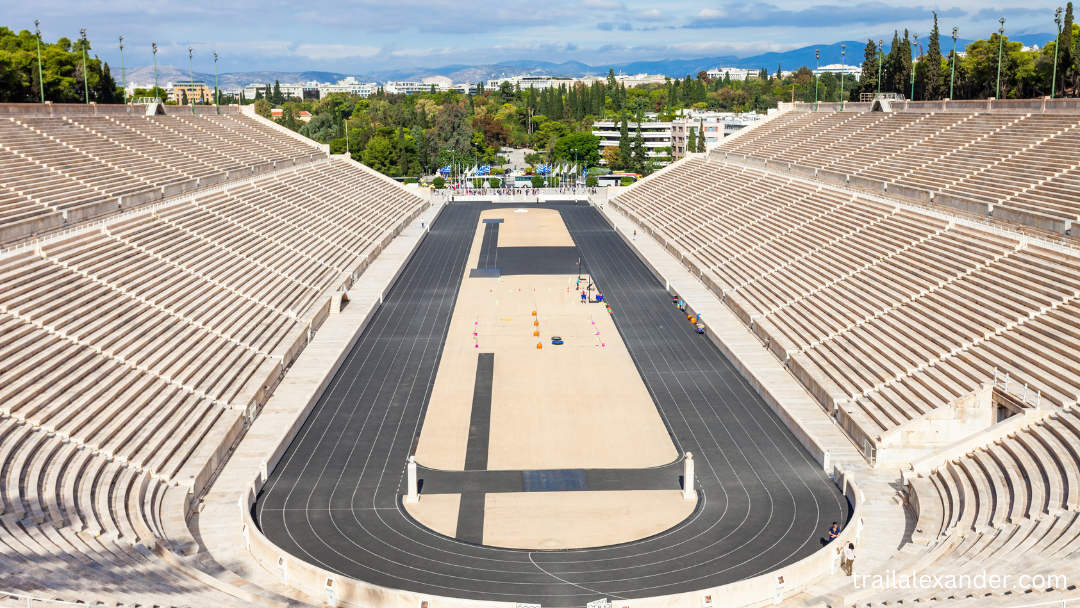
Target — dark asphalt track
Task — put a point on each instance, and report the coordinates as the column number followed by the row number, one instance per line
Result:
column 334, row 499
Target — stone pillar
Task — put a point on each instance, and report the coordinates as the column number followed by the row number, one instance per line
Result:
column 414, row 495
column 688, row 477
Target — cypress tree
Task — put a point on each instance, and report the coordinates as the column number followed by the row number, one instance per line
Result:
column 640, row 155
column 624, row 143
column 701, row 139
column 691, row 139
column 1067, row 54
column 868, row 82
column 933, row 76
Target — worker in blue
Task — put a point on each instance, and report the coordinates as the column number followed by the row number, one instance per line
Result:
column 599, row 297
column 583, row 296
column 834, row 531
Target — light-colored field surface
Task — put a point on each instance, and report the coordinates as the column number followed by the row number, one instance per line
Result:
column 579, row 405
column 574, row 520
column 437, row 511
column 524, row 227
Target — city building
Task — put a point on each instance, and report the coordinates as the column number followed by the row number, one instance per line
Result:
column 715, row 126
column 732, row 73
column 348, row 85
column 193, row 92
column 406, row 87
column 838, row 68
column 657, row 136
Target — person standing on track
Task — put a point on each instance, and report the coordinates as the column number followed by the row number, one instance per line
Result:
column 635, row 235
column 583, row 296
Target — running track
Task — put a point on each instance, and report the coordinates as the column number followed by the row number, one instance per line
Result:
column 334, row 499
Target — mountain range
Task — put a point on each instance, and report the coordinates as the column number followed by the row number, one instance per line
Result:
column 675, row 68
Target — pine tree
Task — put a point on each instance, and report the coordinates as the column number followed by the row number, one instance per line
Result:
column 933, row 76
column 701, row 139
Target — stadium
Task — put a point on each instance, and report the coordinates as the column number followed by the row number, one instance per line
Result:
column 238, row 370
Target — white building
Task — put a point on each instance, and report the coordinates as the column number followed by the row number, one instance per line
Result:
column 732, row 73
column 406, row 87
column 838, row 68
column 714, row 126
column 657, row 136
column 348, row 85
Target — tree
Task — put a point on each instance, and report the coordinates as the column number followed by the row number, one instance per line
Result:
column 640, row 155
column 700, row 139
column 183, row 97
column 495, row 133
column 691, row 140
column 624, row 145
column 582, row 147
column 933, row 76
column 612, row 159
column 262, row 108
column 278, row 98
column 1068, row 64
column 453, row 134
column 379, row 154
column 868, row 83
column 537, row 181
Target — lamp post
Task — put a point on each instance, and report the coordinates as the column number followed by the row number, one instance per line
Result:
column 881, row 60
column 86, row 87
column 914, row 45
column 817, row 66
column 1057, row 44
column 191, row 74
column 1001, row 41
column 123, row 73
column 217, row 93
column 154, row 46
column 41, row 78
column 843, row 68
column 952, row 75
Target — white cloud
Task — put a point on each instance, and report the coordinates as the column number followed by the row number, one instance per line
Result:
column 651, row 15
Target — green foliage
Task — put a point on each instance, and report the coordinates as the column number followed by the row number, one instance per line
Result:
column 61, row 67
column 439, row 183
column 591, row 181
column 494, row 182
column 262, row 108
column 534, row 158
column 537, row 181
column 626, row 181
column 579, row 147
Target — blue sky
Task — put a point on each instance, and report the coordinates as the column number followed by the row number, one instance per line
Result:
column 364, row 35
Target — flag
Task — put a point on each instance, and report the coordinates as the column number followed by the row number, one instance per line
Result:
column 445, row 169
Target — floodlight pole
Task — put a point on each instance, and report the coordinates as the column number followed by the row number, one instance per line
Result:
column 154, row 46
column 1001, row 45
column 123, row 72
column 880, row 43
column 191, row 74
column 217, row 92
column 843, row 68
column 41, row 78
column 914, row 45
column 1057, row 45
column 86, row 87
column 817, row 66
column 952, row 75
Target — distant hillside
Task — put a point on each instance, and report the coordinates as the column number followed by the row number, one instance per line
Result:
column 675, row 68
